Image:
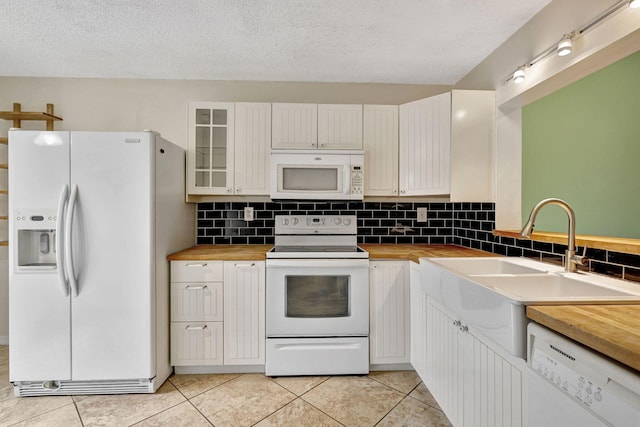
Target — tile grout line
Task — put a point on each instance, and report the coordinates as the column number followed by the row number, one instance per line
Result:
column 209, row 389
column 299, row 397
column 75, row 405
column 314, row 406
column 425, row 403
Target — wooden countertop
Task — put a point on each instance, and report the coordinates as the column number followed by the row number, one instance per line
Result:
column 618, row 244
column 258, row 252
column 613, row 330
column 221, row 253
column 415, row 252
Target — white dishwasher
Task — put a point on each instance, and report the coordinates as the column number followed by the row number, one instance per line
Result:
column 571, row 385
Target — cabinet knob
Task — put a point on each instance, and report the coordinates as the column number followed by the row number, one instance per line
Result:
column 237, row 190
column 228, row 190
column 402, row 191
column 313, row 145
column 464, row 328
column 374, row 266
column 457, row 323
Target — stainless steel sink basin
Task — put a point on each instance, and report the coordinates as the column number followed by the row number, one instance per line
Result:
column 490, row 295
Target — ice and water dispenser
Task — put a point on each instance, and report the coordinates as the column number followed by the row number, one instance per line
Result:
column 36, row 233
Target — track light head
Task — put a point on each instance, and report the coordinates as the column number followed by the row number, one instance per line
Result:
column 565, row 47
column 518, row 75
column 634, row 4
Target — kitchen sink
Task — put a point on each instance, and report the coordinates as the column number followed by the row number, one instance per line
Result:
column 482, row 266
column 555, row 288
column 490, row 295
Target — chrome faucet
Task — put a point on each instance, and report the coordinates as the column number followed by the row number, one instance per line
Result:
column 571, row 260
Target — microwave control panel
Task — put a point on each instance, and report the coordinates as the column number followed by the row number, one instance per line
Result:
column 357, row 179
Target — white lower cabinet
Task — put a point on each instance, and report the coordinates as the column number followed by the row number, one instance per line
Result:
column 389, row 312
column 244, row 305
column 418, row 314
column 474, row 382
column 217, row 314
column 196, row 343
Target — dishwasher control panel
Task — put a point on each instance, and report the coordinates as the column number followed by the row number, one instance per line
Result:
column 604, row 388
column 576, row 385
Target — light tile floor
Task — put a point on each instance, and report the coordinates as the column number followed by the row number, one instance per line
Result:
column 390, row 398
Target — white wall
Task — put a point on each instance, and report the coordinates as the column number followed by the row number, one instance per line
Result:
column 161, row 105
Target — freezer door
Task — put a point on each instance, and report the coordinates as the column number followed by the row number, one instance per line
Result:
column 112, row 313
column 39, row 311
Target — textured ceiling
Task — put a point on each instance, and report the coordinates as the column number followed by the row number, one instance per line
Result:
column 366, row 41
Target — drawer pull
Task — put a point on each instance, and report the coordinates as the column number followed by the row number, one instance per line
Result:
column 245, row 265
column 195, row 287
column 196, row 328
column 199, row 265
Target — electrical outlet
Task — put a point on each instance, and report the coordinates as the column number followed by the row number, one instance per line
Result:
column 248, row 213
column 422, row 214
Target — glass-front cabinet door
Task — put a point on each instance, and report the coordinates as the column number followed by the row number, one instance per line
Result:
column 210, row 148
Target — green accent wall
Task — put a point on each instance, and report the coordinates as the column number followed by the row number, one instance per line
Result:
column 582, row 144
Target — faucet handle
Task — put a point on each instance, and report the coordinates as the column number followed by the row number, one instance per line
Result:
column 581, row 259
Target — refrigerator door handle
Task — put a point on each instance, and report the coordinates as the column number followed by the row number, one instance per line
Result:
column 62, row 274
column 68, row 252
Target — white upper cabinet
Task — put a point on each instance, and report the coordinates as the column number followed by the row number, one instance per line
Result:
column 210, row 148
column 472, row 145
column 252, row 148
column 380, row 128
column 228, row 148
column 313, row 126
column 425, row 136
column 294, row 126
column 340, row 127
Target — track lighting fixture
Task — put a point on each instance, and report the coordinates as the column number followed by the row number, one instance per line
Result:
column 518, row 76
column 565, row 47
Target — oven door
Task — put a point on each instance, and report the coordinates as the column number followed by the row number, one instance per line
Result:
column 317, row 297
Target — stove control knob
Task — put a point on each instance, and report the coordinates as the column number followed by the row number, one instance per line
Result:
column 285, row 221
column 346, row 222
column 337, row 221
column 294, row 221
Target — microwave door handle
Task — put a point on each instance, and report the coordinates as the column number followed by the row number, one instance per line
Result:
column 68, row 250
column 62, row 274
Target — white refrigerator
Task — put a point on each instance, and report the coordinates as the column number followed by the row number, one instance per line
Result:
column 93, row 216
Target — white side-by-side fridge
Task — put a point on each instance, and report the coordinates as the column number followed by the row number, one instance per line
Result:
column 92, row 217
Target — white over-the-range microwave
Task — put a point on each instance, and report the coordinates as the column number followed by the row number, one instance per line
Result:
column 317, row 174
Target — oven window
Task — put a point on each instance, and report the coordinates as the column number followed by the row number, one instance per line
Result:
column 317, row 296
column 310, row 179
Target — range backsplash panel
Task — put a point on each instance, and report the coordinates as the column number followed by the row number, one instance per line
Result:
column 465, row 224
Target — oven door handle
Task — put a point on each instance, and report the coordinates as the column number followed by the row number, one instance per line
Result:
column 309, row 263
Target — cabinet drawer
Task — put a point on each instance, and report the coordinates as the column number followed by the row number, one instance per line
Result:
column 196, row 343
column 196, row 301
column 197, row 271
